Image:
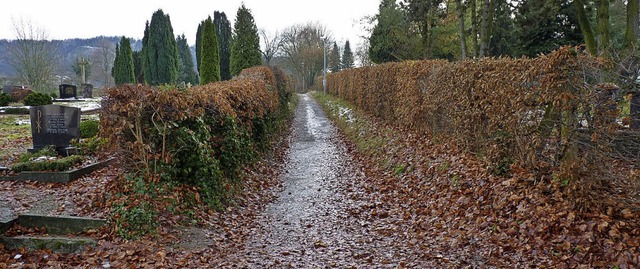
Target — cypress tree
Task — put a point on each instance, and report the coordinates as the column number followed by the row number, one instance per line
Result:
column 347, row 57
column 124, row 72
column 116, row 62
column 185, row 62
column 126, row 52
column 199, row 45
column 160, row 51
column 245, row 45
column 146, row 61
column 224, row 42
column 137, row 66
column 210, row 70
column 334, row 58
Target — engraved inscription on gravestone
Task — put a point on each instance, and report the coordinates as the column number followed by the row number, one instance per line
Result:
column 54, row 125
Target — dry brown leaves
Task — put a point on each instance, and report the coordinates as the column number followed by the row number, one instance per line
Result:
column 202, row 246
column 449, row 204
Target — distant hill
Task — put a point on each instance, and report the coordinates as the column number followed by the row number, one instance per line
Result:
column 68, row 51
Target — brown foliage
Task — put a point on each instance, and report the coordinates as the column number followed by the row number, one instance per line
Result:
column 129, row 109
column 19, row 94
column 545, row 114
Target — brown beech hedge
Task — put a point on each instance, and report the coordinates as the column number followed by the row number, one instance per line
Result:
column 200, row 135
column 546, row 112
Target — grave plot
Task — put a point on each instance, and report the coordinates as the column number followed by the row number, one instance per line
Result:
column 58, row 153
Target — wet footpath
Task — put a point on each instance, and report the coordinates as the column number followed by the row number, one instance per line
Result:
column 309, row 225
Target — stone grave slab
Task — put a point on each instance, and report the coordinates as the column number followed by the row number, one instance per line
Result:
column 54, row 125
column 87, row 90
column 68, row 91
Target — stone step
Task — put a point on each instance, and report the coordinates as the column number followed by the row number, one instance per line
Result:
column 60, row 225
column 6, row 219
column 55, row 244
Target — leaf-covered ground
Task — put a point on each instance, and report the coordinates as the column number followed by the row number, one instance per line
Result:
column 387, row 198
column 445, row 203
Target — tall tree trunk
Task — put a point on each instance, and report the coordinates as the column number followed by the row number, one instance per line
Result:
column 474, row 28
column 486, row 26
column 603, row 26
column 426, row 34
column 633, row 12
column 585, row 27
column 461, row 31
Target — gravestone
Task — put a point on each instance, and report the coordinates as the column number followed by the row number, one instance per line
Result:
column 54, row 125
column 87, row 90
column 68, row 91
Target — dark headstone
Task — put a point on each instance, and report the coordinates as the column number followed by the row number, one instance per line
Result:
column 54, row 125
column 68, row 91
column 87, row 90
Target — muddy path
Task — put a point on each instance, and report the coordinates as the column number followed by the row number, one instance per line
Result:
column 309, row 224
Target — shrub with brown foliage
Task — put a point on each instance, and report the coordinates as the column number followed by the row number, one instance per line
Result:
column 542, row 113
column 198, row 136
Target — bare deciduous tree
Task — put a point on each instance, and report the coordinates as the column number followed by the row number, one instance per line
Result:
column 32, row 55
column 103, row 59
column 302, row 47
column 271, row 46
column 362, row 53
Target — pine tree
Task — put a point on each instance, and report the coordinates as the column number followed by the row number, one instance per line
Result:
column 210, row 70
column 185, row 62
column 245, row 45
column 224, row 42
column 160, row 51
column 199, row 45
column 334, row 58
column 347, row 57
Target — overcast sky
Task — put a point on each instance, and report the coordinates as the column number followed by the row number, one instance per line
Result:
column 64, row 19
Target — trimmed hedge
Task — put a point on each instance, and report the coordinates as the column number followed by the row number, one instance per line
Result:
column 198, row 136
column 531, row 112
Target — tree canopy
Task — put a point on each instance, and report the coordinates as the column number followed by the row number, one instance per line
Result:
column 160, row 52
column 334, row 58
column 223, row 28
column 123, row 68
column 186, row 69
column 245, row 44
column 347, row 57
column 210, row 70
